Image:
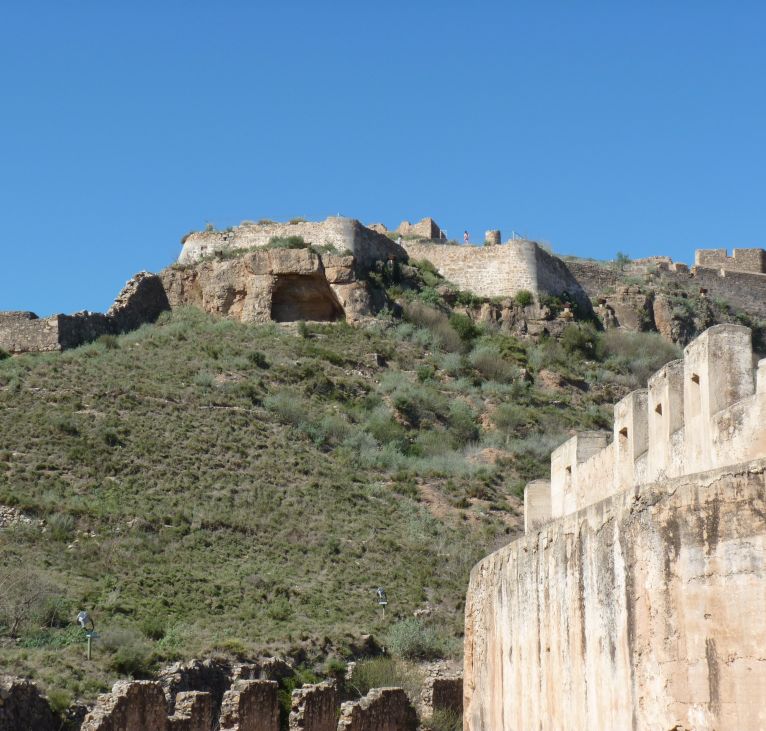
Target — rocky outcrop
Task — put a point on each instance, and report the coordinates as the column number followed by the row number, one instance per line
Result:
column 382, row 709
column 284, row 285
column 22, row 708
column 630, row 307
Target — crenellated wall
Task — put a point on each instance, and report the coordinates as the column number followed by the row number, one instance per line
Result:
column 639, row 600
column 699, row 413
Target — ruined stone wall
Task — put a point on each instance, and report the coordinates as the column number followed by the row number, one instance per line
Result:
column 315, row 708
column 22, row 708
column 382, row 709
column 138, row 704
column 741, row 260
column 743, row 290
column 424, row 229
column 251, row 705
column 644, row 611
column 500, row 271
column 343, row 234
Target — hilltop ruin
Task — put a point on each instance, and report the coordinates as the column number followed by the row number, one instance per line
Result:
column 636, row 598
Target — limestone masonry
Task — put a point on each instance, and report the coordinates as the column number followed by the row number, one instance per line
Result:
column 637, row 598
column 242, row 274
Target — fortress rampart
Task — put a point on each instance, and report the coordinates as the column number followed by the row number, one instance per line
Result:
column 500, row 270
column 345, row 235
column 741, row 260
column 637, row 598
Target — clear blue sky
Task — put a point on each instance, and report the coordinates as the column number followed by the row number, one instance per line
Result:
column 596, row 126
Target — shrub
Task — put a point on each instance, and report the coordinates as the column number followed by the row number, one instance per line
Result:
column 258, row 359
column 424, row 265
column 287, row 407
column 286, row 242
column 462, row 423
column 303, row 330
column 581, row 339
column 385, row 672
column 61, row 526
column 414, row 640
column 109, row 342
column 444, row 719
column 509, row 417
column 490, row 363
column 4, row 354
column 638, row 353
column 297, row 219
column 524, row 298
column 464, row 326
column 130, row 653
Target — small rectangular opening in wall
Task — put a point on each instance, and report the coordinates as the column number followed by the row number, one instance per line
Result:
column 695, row 378
column 624, row 432
column 569, row 469
column 658, row 409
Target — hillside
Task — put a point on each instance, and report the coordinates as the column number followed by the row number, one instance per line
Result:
column 209, row 487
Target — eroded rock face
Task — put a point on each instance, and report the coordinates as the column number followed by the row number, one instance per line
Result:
column 643, row 611
column 284, row 285
column 22, row 708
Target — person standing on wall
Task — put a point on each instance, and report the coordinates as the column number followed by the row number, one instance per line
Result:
column 466, row 237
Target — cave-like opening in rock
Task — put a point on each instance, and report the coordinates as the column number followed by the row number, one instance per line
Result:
column 297, row 297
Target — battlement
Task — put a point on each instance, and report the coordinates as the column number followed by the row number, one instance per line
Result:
column 703, row 412
column 741, row 260
column 345, row 235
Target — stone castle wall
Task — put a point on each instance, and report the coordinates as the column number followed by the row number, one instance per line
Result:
column 645, row 611
column 345, row 235
column 637, row 598
column 741, row 260
column 500, row 271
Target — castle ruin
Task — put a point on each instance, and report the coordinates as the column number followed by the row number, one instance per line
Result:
column 637, row 598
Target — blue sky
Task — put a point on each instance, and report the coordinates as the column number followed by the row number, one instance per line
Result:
column 595, row 126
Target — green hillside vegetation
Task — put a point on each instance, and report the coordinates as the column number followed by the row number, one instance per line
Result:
column 207, row 487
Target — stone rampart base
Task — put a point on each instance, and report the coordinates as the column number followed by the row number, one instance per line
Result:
column 644, row 611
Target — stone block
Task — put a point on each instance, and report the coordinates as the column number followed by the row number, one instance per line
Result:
column 382, row 709
column 193, row 712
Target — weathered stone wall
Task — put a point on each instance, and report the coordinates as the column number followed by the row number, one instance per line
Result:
column 500, row 271
column 141, row 301
column 426, row 228
column 345, row 235
column 315, row 708
column 447, row 695
column 138, row 704
column 22, row 708
column 382, row 709
column 193, row 712
column 643, row 611
column 741, row 260
column 251, row 705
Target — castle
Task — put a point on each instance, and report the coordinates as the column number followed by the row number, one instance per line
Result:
column 636, row 598
column 238, row 273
